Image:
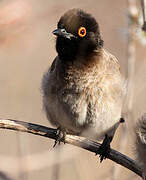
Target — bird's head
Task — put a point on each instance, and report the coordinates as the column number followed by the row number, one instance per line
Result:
column 77, row 35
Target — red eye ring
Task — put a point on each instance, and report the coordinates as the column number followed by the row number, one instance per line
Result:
column 82, row 31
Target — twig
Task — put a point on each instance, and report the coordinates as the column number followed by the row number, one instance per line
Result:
column 128, row 99
column 144, row 15
column 70, row 139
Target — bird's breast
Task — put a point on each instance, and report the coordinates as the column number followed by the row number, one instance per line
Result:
column 83, row 97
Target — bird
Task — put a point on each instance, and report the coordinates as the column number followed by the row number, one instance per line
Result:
column 83, row 88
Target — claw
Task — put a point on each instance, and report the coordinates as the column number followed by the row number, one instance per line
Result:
column 60, row 136
column 104, row 149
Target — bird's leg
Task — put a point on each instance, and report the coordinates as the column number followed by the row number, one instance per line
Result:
column 60, row 136
column 104, row 149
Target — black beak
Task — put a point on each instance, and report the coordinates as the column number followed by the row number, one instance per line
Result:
column 63, row 33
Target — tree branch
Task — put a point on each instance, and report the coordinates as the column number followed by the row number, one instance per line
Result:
column 70, row 139
column 144, row 15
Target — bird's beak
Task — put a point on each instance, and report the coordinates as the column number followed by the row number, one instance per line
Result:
column 63, row 33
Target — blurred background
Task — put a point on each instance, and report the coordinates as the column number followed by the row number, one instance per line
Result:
column 27, row 48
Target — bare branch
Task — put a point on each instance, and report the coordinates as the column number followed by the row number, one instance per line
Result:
column 70, row 139
column 144, row 15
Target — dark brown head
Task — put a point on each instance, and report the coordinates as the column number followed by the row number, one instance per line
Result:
column 77, row 35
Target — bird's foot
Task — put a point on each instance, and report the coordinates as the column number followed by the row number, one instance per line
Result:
column 104, row 149
column 60, row 136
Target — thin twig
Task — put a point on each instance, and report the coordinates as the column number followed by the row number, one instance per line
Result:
column 128, row 100
column 144, row 15
column 143, row 9
column 70, row 139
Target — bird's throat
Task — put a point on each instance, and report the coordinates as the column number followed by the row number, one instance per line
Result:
column 70, row 50
column 67, row 49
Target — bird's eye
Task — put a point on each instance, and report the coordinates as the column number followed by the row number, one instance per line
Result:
column 82, row 31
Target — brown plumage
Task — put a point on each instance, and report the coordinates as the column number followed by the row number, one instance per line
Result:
column 83, row 89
